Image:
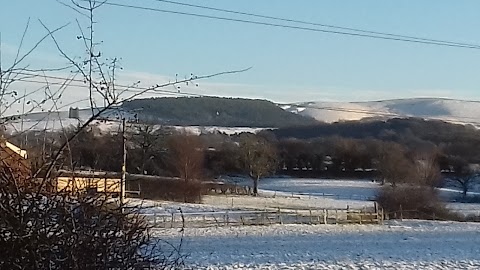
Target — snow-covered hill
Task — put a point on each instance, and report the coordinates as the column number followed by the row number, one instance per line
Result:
column 458, row 111
column 109, row 121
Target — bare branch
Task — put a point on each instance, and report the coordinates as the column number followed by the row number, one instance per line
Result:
column 35, row 46
column 22, row 40
column 72, row 8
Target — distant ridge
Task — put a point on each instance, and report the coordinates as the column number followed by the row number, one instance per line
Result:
column 231, row 112
column 214, row 111
column 451, row 110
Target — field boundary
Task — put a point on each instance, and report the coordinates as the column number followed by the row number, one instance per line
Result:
column 266, row 217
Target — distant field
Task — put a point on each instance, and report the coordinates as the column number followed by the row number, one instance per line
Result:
column 298, row 193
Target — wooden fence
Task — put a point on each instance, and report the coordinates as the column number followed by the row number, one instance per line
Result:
column 239, row 218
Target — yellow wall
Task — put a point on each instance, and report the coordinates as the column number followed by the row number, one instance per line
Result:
column 17, row 149
column 108, row 185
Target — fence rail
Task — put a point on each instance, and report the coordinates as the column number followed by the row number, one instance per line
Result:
column 239, row 218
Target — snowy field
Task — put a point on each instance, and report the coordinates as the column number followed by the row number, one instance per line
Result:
column 405, row 244
column 289, row 194
column 277, row 194
column 338, row 189
column 284, row 202
column 396, row 245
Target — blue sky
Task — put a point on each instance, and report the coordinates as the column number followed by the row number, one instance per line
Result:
column 288, row 65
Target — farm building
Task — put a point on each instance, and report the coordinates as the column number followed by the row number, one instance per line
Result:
column 88, row 181
column 14, row 160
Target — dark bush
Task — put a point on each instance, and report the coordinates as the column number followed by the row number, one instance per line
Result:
column 169, row 189
column 47, row 230
column 413, row 202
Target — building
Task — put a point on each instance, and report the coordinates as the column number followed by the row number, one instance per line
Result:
column 108, row 183
column 14, row 161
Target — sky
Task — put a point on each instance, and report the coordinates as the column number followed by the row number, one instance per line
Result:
column 288, row 65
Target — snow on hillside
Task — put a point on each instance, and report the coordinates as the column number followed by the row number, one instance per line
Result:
column 458, row 111
column 197, row 130
column 58, row 120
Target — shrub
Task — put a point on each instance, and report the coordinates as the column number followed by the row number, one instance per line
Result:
column 169, row 189
column 40, row 230
column 408, row 201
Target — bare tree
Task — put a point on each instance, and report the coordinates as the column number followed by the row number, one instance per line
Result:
column 464, row 174
column 392, row 164
column 148, row 147
column 258, row 158
column 186, row 156
column 427, row 169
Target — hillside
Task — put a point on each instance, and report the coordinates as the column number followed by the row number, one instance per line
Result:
column 396, row 129
column 230, row 113
column 456, row 111
column 213, row 111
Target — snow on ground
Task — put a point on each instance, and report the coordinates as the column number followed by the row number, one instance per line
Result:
column 168, row 207
column 283, row 202
column 409, row 244
column 279, row 193
column 339, row 189
column 293, row 194
column 465, row 208
column 300, row 193
column 396, row 245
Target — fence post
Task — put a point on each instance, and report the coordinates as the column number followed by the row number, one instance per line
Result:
column 380, row 220
column 279, row 216
column 383, row 216
column 311, row 220
column 173, row 220
column 336, row 217
column 325, row 216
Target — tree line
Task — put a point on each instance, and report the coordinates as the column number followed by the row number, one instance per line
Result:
column 164, row 151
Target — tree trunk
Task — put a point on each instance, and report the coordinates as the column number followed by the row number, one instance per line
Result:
column 465, row 190
column 255, row 186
